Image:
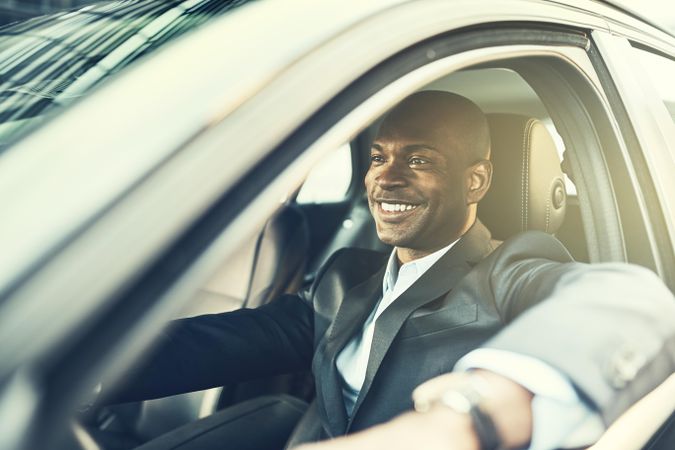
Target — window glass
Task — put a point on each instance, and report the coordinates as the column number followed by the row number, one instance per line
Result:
column 48, row 62
column 661, row 72
column 329, row 180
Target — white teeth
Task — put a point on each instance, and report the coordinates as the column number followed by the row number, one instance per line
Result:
column 392, row 207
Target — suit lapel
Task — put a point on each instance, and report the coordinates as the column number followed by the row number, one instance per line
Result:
column 435, row 282
column 352, row 313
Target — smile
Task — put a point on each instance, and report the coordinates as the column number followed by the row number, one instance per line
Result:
column 396, row 207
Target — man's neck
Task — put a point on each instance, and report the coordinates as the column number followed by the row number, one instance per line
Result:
column 406, row 255
column 440, row 251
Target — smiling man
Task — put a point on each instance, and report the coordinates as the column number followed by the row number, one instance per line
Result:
column 374, row 327
column 425, row 178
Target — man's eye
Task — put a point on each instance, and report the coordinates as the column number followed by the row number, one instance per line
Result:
column 417, row 161
column 376, row 159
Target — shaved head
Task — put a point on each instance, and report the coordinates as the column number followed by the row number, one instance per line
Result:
column 459, row 121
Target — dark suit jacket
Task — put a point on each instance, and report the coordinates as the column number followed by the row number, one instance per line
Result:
column 456, row 306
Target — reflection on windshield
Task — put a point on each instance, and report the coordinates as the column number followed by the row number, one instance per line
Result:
column 52, row 60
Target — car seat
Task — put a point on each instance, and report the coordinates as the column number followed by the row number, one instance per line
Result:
column 528, row 190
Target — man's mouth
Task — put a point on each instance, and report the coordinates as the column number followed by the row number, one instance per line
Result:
column 396, row 207
column 395, row 211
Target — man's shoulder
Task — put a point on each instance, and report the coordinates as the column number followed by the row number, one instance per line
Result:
column 525, row 246
column 535, row 244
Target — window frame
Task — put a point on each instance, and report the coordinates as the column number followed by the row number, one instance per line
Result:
column 648, row 134
column 337, row 120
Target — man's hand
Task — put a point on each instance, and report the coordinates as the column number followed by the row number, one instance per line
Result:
column 438, row 429
column 506, row 402
column 441, row 428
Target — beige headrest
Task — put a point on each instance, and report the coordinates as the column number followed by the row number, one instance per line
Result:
column 527, row 191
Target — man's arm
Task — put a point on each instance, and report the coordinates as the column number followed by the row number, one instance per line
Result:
column 609, row 328
column 214, row 350
column 218, row 349
column 441, row 428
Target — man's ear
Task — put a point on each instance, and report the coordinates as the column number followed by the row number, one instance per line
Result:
column 479, row 178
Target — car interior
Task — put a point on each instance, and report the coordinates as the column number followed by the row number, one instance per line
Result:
column 330, row 211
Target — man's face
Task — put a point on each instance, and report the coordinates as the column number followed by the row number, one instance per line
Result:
column 417, row 182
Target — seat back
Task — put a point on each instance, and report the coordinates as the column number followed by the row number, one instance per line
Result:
column 280, row 257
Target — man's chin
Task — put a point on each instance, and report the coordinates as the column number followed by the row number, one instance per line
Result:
column 394, row 239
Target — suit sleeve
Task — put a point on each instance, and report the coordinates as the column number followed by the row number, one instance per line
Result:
column 609, row 327
column 213, row 350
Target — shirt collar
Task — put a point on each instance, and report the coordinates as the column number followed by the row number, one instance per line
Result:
column 417, row 266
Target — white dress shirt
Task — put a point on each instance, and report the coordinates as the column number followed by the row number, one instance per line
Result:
column 560, row 418
column 352, row 361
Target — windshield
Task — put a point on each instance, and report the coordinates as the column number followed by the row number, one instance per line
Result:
column 48, row 62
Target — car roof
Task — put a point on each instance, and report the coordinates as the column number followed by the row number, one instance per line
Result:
column 637, row 10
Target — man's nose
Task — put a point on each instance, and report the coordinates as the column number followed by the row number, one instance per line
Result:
column 392, row 175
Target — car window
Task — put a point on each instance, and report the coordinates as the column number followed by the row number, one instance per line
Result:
column 50, row 61
column 329, row 180
column 661, row 72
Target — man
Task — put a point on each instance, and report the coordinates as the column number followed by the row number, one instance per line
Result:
column 374, row 327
